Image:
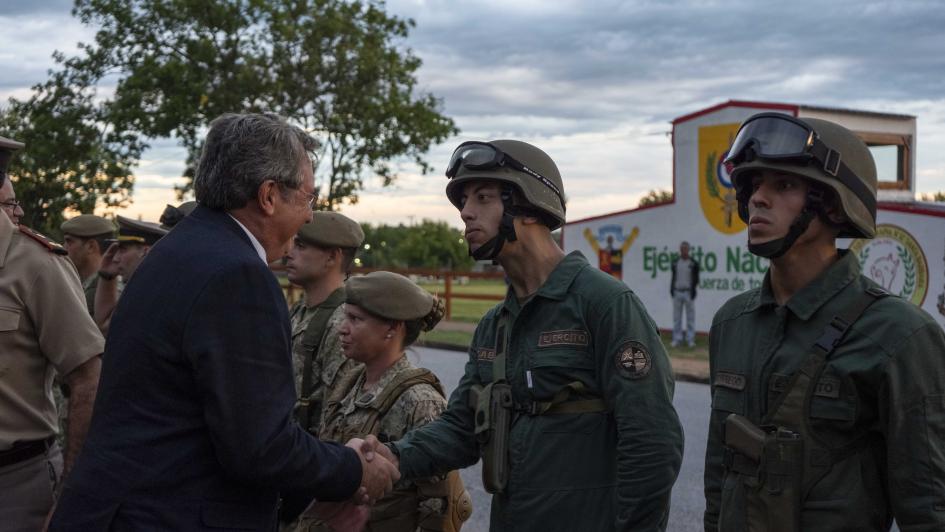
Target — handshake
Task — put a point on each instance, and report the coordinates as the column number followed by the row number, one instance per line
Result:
column 379, row 472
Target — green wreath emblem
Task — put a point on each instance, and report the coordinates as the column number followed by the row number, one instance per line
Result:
column 863, row 255
column 710, row 176
column 908, row 286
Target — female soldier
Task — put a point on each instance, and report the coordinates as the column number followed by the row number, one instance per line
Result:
column 384, row 313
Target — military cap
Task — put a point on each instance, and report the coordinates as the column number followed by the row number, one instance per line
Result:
column 173, row 215
column 138, row 232
column 331, row 230
column 389, row 295
column 7, row 147
column 87, row 226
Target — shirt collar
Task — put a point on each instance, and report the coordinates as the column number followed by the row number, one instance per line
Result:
column 252, row 240
column 557, row 284
column 806, row 301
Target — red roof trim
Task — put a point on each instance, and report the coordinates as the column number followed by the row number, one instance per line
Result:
column 737, row 103
column 635, row 209
column 911, row 208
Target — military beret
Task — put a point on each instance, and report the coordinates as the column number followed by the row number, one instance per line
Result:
column 138, row 232
column 389, row 295
column 331, row 230
column 88, row 225
column 7, row 147
column 173, row 215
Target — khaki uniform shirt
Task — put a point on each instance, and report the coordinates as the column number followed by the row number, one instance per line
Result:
column 884, row 383
column 600, row 471
column 329, row 364
column 89, row 286
column 44, row 327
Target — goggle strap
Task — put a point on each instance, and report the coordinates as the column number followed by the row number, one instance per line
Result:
column 833, row 165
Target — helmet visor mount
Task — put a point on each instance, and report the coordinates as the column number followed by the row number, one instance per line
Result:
column 476, row 155
column 782, row 138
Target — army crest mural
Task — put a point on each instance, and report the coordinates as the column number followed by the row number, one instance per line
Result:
column 895, row 261
column 716, row 190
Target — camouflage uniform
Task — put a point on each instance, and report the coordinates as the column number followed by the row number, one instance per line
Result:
column 348, row 413
column 329, row 364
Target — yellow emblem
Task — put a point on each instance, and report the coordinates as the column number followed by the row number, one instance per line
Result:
column 716, row 190
column 894, row 261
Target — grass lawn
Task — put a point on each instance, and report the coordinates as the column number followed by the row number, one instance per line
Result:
column 469, row 310
column 462, row 339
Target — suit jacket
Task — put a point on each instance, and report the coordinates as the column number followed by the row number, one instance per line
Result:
column 193, row 425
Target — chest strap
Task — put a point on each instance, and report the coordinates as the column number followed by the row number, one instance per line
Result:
column 561, row 402
column 311, row 339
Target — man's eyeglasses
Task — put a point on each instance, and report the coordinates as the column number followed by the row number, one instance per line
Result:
column 312, row 198
column 11, row 204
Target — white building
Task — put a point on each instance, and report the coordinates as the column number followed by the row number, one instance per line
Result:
column 907, row 256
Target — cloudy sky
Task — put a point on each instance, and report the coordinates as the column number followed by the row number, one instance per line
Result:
column 596, row 83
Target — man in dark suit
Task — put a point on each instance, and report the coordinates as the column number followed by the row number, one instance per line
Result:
column 193, row 425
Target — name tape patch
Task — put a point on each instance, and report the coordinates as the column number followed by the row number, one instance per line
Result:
column 565, row 337
column 484, row 353
column 734, row 381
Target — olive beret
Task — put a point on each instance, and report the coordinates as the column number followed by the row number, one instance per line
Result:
column 138, row 232
column 88, row 225
column 389, row 295
column 331, row 230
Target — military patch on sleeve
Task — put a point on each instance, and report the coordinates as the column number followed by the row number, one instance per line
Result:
column 633, row 360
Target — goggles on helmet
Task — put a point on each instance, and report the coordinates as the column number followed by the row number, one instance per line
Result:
column 476, row 155
column 779, row 137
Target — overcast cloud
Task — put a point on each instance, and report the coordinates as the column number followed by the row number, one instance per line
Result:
column 596, row 84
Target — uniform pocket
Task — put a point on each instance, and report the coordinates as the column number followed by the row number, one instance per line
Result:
column 728, row 400
column 552, row 369
column 9, row 319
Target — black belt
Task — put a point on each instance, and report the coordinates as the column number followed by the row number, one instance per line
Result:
column 25, row 450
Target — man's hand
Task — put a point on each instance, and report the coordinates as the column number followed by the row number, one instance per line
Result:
column 109, row 266
column 371, row 443
column 378, row 474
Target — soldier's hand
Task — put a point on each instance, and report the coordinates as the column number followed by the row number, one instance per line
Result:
column 372, row 443
column 378, row 474
column 109, row 266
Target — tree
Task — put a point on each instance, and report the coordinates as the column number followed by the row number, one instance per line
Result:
column 337, row 68
column 655, row 197
column 429, row 244
column 935, row 196
column 74, row 159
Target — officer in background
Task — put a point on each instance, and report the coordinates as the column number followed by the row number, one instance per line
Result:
column 86, row 238
column 683, row 281
column 567, row 394
column 44, row 329
column 124, row 254
column 828, row 394
column 319, row 261
column 172, row 215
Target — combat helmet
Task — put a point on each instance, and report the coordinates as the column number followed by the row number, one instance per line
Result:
column 517, row 165
column 826, row 153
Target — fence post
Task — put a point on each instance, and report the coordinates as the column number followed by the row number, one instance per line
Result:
column 448, row 294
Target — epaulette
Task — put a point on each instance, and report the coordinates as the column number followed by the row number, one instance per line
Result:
column 44, row 240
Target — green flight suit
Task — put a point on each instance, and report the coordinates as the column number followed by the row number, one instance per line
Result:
column 882, row 393
column 591, row 471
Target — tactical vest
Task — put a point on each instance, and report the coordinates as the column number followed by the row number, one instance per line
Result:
column 780, row 461
column 309, row 404
column 403, row 510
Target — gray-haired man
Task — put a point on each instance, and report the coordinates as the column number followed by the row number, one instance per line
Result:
column 194, row 427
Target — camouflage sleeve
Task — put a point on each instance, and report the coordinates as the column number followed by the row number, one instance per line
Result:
column 416, row 407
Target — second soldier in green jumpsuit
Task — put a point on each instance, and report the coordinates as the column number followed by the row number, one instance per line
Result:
column 567, row 392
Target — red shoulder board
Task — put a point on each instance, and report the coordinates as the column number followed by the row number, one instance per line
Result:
column 44, row 240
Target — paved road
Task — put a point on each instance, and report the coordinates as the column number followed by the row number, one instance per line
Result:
column 692, row 403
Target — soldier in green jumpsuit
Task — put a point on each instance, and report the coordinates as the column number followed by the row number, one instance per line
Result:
column 828, row 394
column 567, row 393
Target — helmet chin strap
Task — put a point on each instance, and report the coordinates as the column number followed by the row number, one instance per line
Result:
column 778, row 247
column 490, row 250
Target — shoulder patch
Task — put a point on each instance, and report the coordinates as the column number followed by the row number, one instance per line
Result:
column 43, row 240
column 633, row 360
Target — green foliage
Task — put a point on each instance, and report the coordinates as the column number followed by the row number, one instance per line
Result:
column 935, row 196
column 655, row 197
column 428, row 244
column 337, row 68
column 74, row 159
